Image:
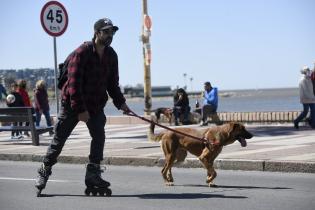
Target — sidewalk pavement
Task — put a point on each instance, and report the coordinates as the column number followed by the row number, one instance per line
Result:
column 274, row 148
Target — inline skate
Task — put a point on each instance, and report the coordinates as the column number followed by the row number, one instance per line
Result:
column 43, row 174
column 94, row 182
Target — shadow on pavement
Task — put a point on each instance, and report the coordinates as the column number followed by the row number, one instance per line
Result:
column 274, row 130
column 127, row 137
column 236, row 187
column 185, row 196
column 252, row 187
column 155, row 196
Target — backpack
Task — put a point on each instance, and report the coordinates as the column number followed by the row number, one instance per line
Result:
column 63, row 67
column 63, row 72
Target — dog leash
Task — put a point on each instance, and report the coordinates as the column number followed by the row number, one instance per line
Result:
column 205, row 141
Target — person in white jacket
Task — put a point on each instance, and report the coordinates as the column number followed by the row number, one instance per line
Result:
column 307, row 98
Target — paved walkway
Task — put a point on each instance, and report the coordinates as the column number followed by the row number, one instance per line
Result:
column 273, row 148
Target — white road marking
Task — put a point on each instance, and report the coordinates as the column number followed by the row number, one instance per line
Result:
column 244, row 152
column 15, row 148
column 305, row 140
column 309, row 156
column 26, row 179
column 128, row 128
column 153, row 154
column 118, row 150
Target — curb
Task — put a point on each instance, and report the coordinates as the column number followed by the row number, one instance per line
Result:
column 223, row 164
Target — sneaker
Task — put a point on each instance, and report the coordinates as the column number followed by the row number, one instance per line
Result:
column 19, row 137
column 203, row 123
column 27, row 134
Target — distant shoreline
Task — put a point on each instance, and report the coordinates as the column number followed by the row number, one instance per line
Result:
column 222, row 93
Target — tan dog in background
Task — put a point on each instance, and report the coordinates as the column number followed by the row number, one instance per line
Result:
column 175, row 146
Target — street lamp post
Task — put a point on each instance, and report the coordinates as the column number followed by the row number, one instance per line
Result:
column 191, row 83
column 185, row 82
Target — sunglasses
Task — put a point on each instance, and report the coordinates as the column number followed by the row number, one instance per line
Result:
column 108, row 31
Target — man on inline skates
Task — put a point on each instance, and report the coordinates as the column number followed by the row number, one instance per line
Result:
column 92, row 75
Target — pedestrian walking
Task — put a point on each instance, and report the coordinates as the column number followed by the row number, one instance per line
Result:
column 307, row 98
column 42, row 103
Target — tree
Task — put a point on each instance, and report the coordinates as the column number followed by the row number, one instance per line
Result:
column 8, row 81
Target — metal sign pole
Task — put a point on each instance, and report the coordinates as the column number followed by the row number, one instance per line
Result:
column 54, row 20
column 56, row 89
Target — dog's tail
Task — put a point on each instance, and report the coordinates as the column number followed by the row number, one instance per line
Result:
column 152, row 136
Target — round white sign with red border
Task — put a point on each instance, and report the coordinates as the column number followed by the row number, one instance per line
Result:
column 54, row 18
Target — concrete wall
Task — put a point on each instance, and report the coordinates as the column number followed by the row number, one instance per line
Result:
column 259, row 117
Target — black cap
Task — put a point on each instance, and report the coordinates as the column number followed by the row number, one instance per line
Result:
column 104, row 23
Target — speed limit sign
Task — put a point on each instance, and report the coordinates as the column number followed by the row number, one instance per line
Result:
column 54, row 18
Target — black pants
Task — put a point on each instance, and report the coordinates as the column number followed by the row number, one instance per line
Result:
column 67, row 120
column 181, row 110
column 16, row 133
column 207, row 110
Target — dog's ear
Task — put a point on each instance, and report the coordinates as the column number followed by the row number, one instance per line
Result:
column 234, row 126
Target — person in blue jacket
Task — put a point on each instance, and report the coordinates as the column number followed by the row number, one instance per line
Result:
column 210, row 102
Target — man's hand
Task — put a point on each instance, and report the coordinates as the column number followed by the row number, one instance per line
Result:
column 125, row 108
column 84, row 116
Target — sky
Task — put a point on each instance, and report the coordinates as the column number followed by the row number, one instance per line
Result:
column 234, row 44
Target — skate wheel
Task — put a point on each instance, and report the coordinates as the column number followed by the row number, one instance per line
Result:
column 108, row 192
column 87, row 192
column 38, row 193
column 94, row 193
column 101, row 193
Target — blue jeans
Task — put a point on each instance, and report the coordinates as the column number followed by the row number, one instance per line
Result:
column 304, row 113
column 39, row 115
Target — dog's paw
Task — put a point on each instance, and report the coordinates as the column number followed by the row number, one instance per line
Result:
column 211, row 184
column 169, row 183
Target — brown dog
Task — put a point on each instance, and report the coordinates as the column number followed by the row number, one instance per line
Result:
column 175, row 146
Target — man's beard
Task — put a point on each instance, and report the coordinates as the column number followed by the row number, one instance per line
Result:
column 107, row 41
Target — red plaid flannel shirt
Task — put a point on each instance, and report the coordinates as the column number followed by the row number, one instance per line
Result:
column 91, row 80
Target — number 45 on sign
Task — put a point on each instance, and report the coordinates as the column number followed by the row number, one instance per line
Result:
column 54, row 18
